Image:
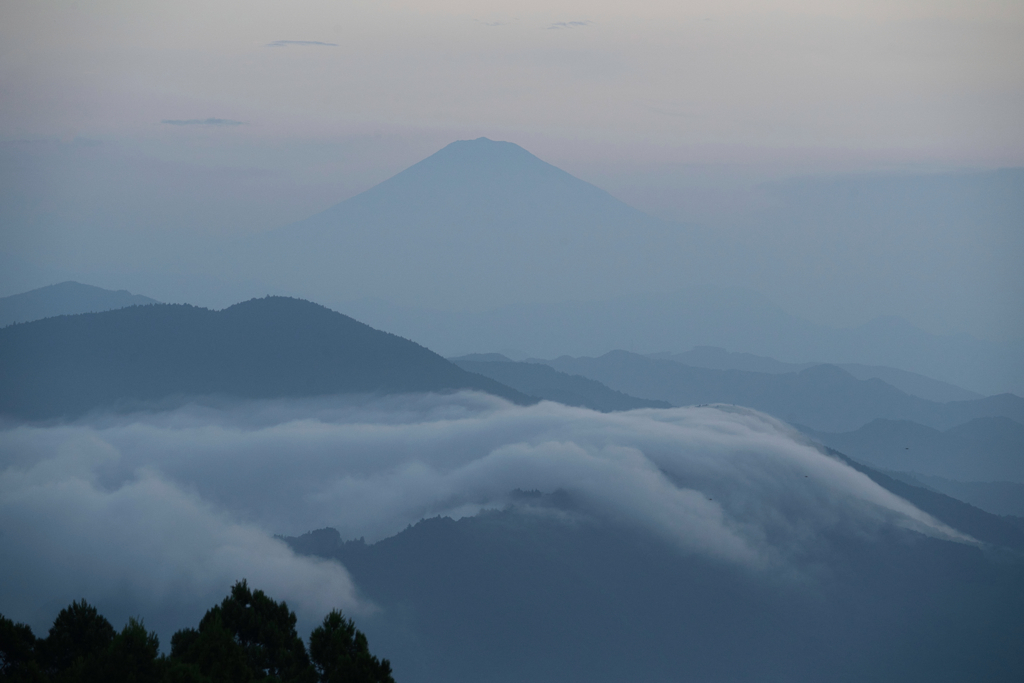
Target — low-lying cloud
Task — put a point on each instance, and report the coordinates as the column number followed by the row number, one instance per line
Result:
column 159, row 513
column 569, row 24
column 300, row 43
column 202, row 122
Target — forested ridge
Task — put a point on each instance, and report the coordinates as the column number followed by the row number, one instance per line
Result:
column 247, row 637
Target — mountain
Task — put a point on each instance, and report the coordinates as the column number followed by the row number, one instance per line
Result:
column 560, row 266
column 542, row 592
column 263, row 348
column 707, row 315
column 985, row 449
column 66, row 298
column 818, row 396
column 997, row 497
column 909, row 382
column 542, row 381
column 477, row 211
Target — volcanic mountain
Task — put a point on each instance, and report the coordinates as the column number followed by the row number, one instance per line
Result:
column 478, row 211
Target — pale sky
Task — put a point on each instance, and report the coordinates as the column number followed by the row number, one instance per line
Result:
column 913, row 81
column 130, row 129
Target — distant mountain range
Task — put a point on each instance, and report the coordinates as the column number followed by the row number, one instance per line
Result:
column 66, row 298
column 908, row 382
column 263, row 348
column 997, row 497
column 822, row 397
column 984, row 449
column 542, row 381
column 729, row 318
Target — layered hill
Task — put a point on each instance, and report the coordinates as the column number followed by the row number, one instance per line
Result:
column 558, row 265
column 542, row 381
column 263, row 348
column 822, row 397
column 912, row 383
column 982, row 449
column 65, row 298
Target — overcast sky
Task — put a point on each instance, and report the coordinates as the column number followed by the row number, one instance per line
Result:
column 906, row 81
column 128, row 129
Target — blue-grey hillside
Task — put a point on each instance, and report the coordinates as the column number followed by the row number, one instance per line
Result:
column 910, row 382
column 823, row 397
column 706, row 315
column 66, row 298
column 543, row 381
column 557, row 266
column 478, row 211
column 980, row 450
column 594, row 599
column 263, row 348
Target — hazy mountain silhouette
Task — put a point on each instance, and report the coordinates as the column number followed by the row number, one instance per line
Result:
column 909, row 382
column 529, row 236
column 542, row 381
column 818, row 396
column 982, row 449
column 704, row 315
column 478, row 211
column 66, row 298
column 541, row 592
column 998, row 497
column 263, row 348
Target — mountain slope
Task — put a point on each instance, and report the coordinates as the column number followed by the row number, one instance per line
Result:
column 703, row 314
column 908, row 382
column 982, row 449
column 818, row 396
column 595, row 601
column 542, row 381
column 263, row 348
column 66, row 298
column 476, row 211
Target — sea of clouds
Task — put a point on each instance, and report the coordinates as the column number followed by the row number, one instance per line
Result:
column 157, row 514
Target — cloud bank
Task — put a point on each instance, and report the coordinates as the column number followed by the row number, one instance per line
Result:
column 569, row 24
column 159, row 513
column 303, row 43
column 202, row 122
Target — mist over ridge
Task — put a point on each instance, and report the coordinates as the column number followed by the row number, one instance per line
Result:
column 551, row 342
column 701, row 479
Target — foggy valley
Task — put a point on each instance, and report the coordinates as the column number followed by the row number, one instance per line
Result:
column 476, row 343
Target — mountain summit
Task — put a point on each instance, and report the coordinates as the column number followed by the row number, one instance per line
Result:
column 478, row 211
column 274, row 347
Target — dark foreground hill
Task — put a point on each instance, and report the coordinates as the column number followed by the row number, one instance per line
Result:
column 541, row 592
column 66, row 298
column 823, row 397
column 542, row 381
column 263, row 348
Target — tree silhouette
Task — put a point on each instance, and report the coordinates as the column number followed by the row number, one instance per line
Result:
column 247, row 637
column 340, row 653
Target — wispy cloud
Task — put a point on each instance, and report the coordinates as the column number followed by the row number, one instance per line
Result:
column 570, row 24
column 301, row 43
column 202, row 122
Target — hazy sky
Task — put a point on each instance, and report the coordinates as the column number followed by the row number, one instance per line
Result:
column 917, row 81
column 129, row 130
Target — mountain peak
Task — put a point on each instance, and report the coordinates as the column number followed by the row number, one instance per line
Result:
column 493, row 158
